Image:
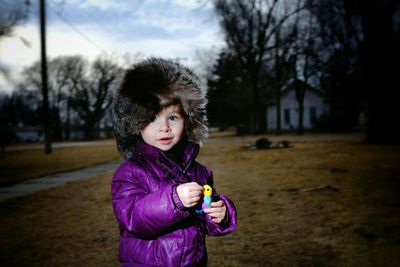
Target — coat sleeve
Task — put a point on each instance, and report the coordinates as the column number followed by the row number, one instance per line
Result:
column 228, row 225
column 230, row 222
column 142, row 213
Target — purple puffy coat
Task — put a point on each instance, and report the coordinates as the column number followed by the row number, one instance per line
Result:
column 156, row 229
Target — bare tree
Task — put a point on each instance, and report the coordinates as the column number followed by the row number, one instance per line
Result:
column 228, row 103
column 339, row 49
column 12, row 13
column 282, row 67
column 21, row 107
column 75, row 89
column 307, row 59
column 74, row 70
column 93, row 95
column 250, row 27
column 61, row 70
column 62, row 79
column 380, row 64
column 33, row 82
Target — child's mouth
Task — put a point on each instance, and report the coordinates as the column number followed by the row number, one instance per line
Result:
column 166, row 141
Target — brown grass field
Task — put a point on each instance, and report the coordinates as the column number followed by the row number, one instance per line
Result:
column 327, row 201
column 22, row 165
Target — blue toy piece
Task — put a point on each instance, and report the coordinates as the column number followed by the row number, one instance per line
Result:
column 206, row 199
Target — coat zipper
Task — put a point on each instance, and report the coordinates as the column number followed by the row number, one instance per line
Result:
column 187, row 166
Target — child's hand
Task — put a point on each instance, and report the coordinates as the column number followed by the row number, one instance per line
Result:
column 189, row 193
column 217, row 211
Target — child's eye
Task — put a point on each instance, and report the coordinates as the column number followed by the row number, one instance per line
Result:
column 173, row 117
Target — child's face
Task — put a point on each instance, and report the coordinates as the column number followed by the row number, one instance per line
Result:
column 166, row 130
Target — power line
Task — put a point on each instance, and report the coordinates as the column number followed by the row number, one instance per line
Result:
column 110, row 29
column 103, row 26
column 77, row 30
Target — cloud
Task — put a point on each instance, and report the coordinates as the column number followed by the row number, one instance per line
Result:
column 95, row 4
column 144, row 19
column 167, row 28
column 14, row 52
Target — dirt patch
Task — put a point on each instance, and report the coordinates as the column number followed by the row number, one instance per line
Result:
column 319, row 203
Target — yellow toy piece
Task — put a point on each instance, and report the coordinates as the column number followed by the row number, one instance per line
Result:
column 207, row 190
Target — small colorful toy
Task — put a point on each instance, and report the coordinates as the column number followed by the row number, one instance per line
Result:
column 206, row 199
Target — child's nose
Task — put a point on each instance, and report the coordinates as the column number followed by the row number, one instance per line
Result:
column 164, row 127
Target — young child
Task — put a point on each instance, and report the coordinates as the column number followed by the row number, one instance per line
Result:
column 159, row 122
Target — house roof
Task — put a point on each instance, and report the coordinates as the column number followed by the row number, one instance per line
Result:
column 292, row 83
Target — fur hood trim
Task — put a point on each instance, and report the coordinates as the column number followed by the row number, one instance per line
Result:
column 141, row 92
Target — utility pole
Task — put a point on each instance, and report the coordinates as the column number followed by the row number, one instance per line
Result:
column 45, row 114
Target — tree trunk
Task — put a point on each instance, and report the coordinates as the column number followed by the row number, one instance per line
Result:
column 380, row 57
column 278, row 129
column 68, row 121
column 263, row 118
column 57, row 124
column 301, row 118
column 89, row 130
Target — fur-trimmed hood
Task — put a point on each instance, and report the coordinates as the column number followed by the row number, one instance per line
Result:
column 144, row 88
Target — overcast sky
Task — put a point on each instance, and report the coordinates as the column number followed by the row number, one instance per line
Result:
column 122, row 28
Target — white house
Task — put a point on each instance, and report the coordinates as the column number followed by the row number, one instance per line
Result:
column 29, row 133
column 314, row 108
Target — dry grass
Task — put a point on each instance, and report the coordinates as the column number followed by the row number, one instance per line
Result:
column 320, row 203
column 21, row 165
column 317, row 204
column 71, row 225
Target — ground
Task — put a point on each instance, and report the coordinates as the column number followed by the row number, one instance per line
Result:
column 323, row 202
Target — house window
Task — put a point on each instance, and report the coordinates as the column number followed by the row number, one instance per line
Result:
column 287, row 116
column 313, row 115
